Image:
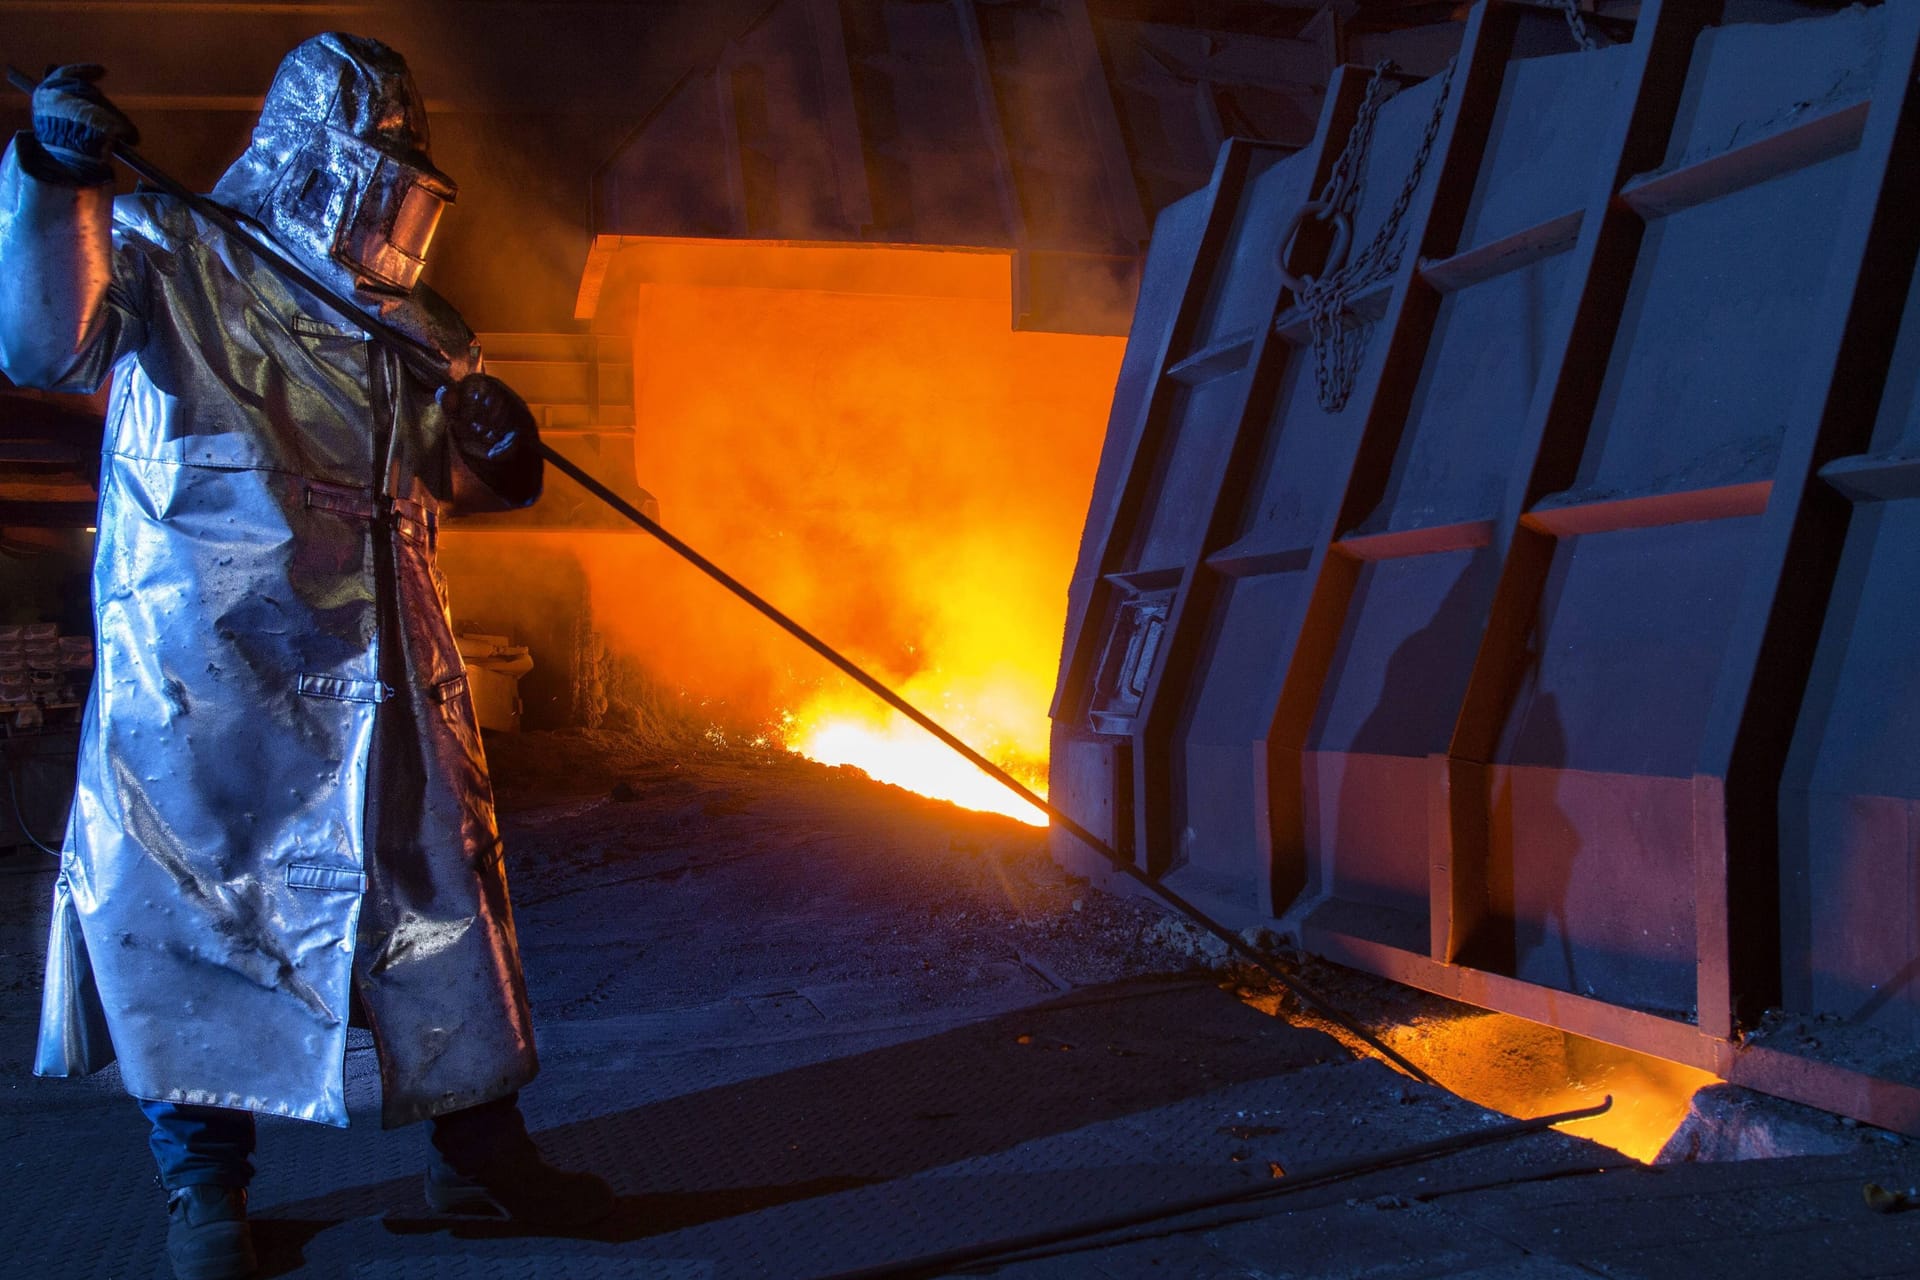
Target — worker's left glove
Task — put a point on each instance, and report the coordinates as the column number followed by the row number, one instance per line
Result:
column 487, row 417
column 76, row 126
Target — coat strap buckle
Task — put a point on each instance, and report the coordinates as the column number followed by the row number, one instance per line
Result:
column 413, row 521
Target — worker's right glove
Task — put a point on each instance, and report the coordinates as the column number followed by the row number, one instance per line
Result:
column 76, row 126
column 488, row 418
column 496, row 435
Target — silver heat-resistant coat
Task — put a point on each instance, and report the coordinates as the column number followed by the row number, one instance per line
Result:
column 282, row 800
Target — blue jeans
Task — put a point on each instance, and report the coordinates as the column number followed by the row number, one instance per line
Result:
column 214, row 1146
column 200, row 1146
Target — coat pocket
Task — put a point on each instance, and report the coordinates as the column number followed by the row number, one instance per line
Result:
column 307, row 875
column 343, row 689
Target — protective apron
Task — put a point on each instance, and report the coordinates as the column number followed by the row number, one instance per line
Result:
column 282, row 799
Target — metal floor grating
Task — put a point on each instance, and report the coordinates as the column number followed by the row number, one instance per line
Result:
column 1011, row 1123
column 931, row 1102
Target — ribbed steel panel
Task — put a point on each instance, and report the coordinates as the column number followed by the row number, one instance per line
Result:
column 1562, row 668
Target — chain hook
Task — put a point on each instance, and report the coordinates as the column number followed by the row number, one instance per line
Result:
column 1322, row 211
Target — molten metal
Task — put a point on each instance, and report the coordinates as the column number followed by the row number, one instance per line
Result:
column 890, row 748
column 860, row 431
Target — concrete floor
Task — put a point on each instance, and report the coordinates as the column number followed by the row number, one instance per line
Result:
column 808, row 1025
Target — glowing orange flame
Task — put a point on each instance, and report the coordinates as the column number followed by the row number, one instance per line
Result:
column 853, row 729
column 904, row 754
column 861, row 434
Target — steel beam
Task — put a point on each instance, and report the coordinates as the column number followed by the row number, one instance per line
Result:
column 1763, row 678
column 1169, row 682
column 1602, row 265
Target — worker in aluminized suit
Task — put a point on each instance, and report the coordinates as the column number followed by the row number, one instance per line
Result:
column 283, row 813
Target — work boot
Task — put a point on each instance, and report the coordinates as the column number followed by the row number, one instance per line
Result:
column 485, row 1164
column 207, row 1233
column 520, row 1187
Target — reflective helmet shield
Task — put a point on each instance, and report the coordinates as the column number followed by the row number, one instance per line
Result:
column 391, row 225
column 338, row 168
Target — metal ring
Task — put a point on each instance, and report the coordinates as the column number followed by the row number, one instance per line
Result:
column 1336, row 258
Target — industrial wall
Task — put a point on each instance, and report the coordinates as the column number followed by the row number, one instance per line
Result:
column 1499, row 567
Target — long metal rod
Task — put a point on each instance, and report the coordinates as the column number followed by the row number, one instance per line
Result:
column 1019, row 1248
column 427, row 366
column 879, row 690
column 20, row 814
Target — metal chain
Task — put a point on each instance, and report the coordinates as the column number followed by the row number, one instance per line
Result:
column 1338, row 349
column 1577, row 24
column 1342, row 187
column 1381, row 257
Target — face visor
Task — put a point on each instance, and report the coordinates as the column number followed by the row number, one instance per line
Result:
column 344, row 200
column 389, row 221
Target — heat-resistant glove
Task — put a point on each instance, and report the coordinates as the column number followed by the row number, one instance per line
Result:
column 495, row 435
column 487, row 417
column 76, row 126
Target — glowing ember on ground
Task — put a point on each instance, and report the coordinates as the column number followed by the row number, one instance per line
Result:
column 1524, row 1070
column 906, row 755
column 1650, row 1099
column 1005, row 720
